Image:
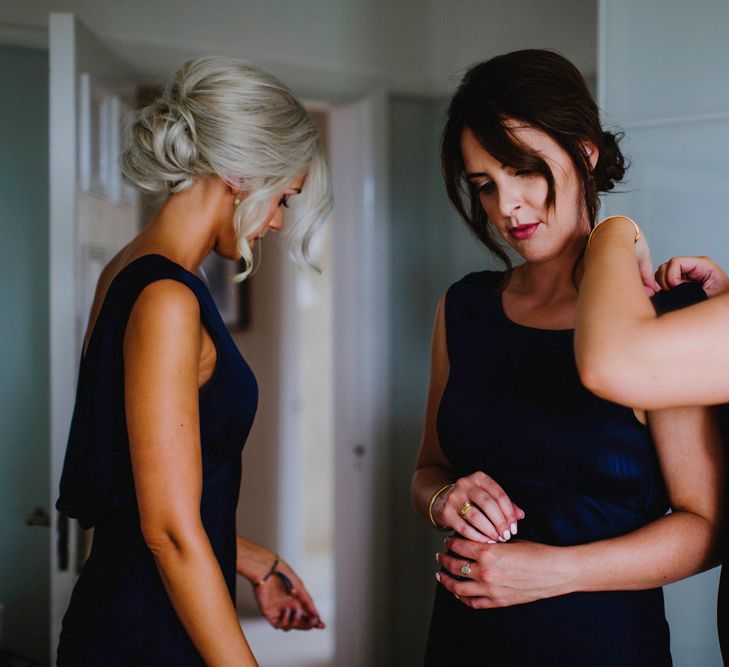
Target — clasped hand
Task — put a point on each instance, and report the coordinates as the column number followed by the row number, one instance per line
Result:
column 501, row 575
column 497, row 572
column 479, row 509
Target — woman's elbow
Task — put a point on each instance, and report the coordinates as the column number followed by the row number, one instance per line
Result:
column 611, row 371
column 599, row 375
column 163, row 539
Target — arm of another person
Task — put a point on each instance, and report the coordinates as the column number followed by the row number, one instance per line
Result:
column 625, row 353
column 493, row 517
column 674, row 546
column 162, row 347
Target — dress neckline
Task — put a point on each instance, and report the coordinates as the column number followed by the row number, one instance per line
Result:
column 502, row 312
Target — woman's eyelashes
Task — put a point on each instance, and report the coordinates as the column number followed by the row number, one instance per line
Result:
column 284, row 201
column 486, row 188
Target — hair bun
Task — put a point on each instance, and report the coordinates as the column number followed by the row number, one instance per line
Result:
column 610, row 167
column 161, row 152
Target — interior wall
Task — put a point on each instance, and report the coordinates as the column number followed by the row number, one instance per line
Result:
column 24, row 427
column 315, row 403
column 468, row 31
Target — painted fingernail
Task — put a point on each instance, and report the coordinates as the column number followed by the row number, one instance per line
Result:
column 507, row 535
column 445, row 541
column 501, row 538
column 437, row 558
column 490, row 541
column 437, row 576
column 513, row 528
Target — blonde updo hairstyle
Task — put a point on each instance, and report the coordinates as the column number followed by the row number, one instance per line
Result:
column 221, row 116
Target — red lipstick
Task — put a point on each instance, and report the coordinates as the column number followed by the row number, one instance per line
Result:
column 523, row 231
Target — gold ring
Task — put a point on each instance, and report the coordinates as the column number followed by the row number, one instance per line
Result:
column 465, row 509
column 466, row 569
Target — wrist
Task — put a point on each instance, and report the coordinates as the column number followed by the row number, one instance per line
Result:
column 253, row 561
column 569, row 566
column 436, row 505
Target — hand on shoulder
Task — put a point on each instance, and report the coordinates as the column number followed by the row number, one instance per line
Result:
column 678, row 270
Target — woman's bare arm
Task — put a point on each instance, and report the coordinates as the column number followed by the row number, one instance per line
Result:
column 628, row 355
column 432, row 469
column 161, row 363
column 493, row 516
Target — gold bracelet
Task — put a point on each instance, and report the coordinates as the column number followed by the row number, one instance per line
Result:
column 433, row 498
column 610, row 217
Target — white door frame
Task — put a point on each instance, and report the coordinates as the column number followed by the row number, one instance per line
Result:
column 62, row 287
column 358, row 140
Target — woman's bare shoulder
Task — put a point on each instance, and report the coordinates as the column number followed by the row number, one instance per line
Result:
column 166, row 304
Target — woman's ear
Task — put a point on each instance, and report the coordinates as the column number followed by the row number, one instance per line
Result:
column 591, row 152
column 236, row 194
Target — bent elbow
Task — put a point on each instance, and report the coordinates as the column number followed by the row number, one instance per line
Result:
column 596, row 376
column 606, row 370
column 612, row 382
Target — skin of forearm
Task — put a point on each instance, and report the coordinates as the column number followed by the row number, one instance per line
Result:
column 426, row 481
column 196, row 587
column 253, row 560
column 673, row 547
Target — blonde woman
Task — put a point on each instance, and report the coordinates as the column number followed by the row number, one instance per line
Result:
column 165, row 401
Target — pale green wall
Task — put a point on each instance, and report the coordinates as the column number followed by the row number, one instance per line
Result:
column 430, row 249
column 24, row 427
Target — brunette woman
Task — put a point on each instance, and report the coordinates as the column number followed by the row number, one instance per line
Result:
column 558, row 498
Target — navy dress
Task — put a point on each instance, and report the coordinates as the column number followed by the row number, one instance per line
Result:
column 582, row 468
column 119, row 612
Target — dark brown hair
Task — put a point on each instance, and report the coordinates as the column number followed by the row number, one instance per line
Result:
column 546, row 91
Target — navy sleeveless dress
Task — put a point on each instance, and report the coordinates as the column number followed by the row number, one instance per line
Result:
column 119, row 612
column 582, row 468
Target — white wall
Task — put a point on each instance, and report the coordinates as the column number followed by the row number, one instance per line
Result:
column 663, row 78
column 673, row 104
column 468, row 31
